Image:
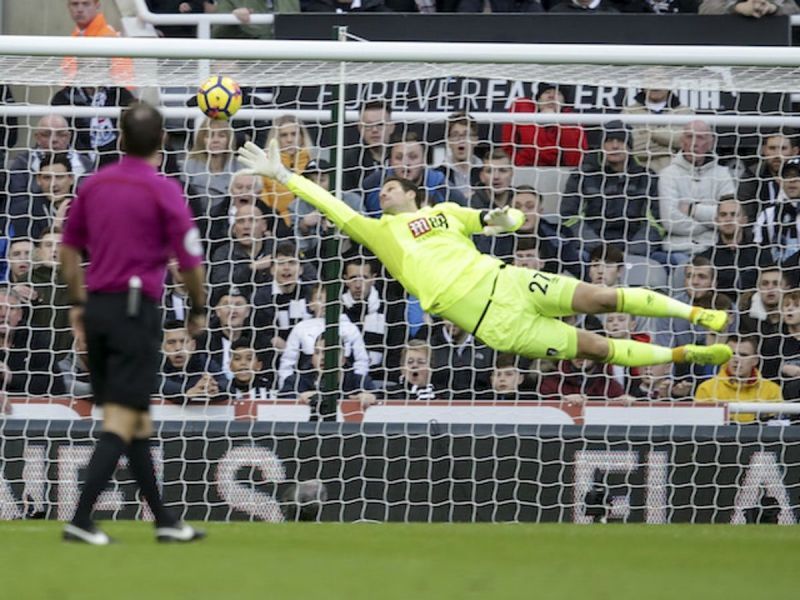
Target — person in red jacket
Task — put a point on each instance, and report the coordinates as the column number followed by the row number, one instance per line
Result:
column 535, row 145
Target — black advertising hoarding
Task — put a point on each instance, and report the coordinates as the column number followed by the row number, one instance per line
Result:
column 222, row 471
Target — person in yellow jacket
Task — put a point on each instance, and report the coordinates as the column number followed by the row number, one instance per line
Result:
column 429, row 250
column 739, row 380
column 295, row 151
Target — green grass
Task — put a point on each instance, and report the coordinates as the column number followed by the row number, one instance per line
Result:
column 410, row 562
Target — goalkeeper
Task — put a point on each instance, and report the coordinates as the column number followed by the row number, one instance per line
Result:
column 429, row 250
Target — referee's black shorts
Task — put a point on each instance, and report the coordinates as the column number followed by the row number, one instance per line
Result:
column 124, row 352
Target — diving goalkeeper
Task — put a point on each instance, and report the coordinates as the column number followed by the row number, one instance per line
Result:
column 429, row 250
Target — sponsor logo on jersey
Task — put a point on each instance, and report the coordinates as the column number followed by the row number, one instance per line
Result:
column 423, row 225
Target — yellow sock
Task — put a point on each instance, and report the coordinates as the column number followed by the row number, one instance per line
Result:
column 630, row 353
column 647, row 303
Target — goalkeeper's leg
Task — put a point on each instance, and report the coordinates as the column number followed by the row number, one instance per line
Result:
column 642, row 302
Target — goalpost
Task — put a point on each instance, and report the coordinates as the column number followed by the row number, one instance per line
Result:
column 457, row 451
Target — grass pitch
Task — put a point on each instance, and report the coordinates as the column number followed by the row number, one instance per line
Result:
column 386, row 562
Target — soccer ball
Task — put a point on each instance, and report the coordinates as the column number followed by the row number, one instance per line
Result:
column 219, row 97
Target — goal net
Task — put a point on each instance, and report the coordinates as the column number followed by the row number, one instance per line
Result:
column 322, row 389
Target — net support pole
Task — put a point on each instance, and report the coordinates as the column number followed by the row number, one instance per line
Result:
column 331, row 263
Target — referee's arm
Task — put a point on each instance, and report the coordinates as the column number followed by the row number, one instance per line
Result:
column 193, row 282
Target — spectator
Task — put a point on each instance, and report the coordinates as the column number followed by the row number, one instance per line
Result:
column 583, row 7
column 460, row 165
column 495, row 190
column 8, row 125
column 749, row 8
column 242, row 9
column 657, row 383
column 545, row 145
column 760, row 187
column 415, row 374
column 20, row 255
column 49, row 299
column 761, row 309
column 375, row 129
column 507, row 382
column 735, row 256
column 51, row 135
column 461, row 364
column 306, row 385
column 283, row 303
column 407, row 159
column 32, row 215
column 296, row 356
column 25, row 357
column 73, row 367
column 777, row 227
column 606, row 264
column 781, row 353
column 340, row 6
column 97, row 136
column 248, row 379
column 175, row 303
column 739, row 380
column 690, row 189
column 659, row 7
column 654, row 145
column 526, row 255
column 187, row 375
column 91, row 22
column 309, row 225
column 362, row 303
column 295, row 146
column 177, row 7
column 612, row 199
column 246, row 260
column 209, row 167
column 580, row 380
column 230, row 321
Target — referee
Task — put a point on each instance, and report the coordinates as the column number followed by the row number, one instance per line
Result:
column 129, row 220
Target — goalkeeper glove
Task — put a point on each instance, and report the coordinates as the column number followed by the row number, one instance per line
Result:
column 266, row 164
column 502, row 220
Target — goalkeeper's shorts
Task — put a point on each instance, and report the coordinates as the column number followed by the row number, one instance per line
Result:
column 521, row 317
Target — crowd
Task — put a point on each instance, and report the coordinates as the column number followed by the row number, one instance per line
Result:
column 725, row 233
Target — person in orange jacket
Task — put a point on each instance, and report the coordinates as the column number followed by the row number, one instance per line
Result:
column 543, row 145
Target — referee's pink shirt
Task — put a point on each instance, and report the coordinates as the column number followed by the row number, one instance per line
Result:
column 131, row 220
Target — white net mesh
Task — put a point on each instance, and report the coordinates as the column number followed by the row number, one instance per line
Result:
column 674, row 178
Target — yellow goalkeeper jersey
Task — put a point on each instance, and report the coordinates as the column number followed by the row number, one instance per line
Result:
column 430, row 251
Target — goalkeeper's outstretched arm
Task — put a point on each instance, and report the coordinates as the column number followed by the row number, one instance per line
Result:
column 268, row 164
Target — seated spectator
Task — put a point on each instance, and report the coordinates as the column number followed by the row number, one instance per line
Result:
column 246, row 259
column 52, row 135
column 49, row 299
column 283, row 303
column 461, row 364
column 187, row 375
column 73, row 367
column 499, row 6
column 242, row 9
column 781, row 353
column 460, row 165
column 580, row 380
column 26, row 362
column 309, row 224
column 97, row 136
column 295, row 146
column 606, row 264
column 494, row 189
column 611, row 199
column 656, row 383
column 407, row 159
column 337, row 6
column 623, row 326
column 690, row 189
column 248, row 379
column 415, row 374
column 362, row 303
column 507, row 382
column 739, row 380
column 755, row 9
column 20, row 257
column 175, row 302
column 659, row 7
column 777, row 227
column 583, row 7
column 761, row 308
column 177, row 7
column 230, row 321
column 760, row 185
column 735, row 256
column 375, row 129
column 545, row 145
column 296, row 356
column 209, row 167
column 31, row 215
column 306, row 385
column 654, row 145
column 526, row 255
